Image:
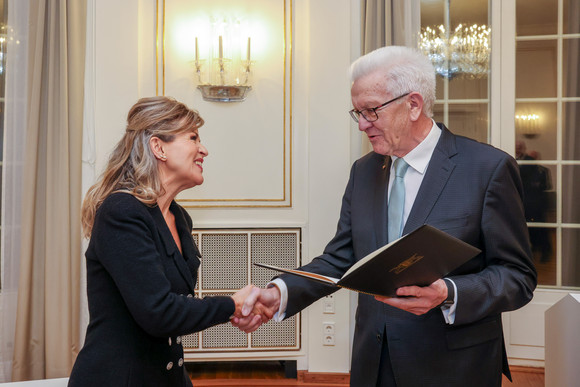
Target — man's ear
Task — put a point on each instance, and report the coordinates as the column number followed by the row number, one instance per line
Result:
column 416, row 102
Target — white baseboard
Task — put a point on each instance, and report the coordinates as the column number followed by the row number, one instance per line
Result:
column 526, row 362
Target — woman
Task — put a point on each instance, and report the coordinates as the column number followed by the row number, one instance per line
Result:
column 142, row 261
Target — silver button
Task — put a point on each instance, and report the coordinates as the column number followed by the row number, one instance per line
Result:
column 178, row 339
column 170, row 341
column 190, row 295
column 169, row 365
column 180, row 362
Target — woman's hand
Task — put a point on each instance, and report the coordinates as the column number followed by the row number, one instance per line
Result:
column 240, row 297
column 257, row 307
column 243, row 311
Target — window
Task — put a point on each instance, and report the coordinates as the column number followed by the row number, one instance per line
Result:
column 462, row 98
column 547, row 90
column 546, row 119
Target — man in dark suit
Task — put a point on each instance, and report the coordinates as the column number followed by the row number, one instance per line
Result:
column 448, row 333
column 537, row 184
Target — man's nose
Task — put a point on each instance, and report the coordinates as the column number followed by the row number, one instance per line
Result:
column 363, row 124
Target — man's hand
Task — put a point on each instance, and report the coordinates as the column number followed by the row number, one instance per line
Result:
column 418, row 300
column 258, row 308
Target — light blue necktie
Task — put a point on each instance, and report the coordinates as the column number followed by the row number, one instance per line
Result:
column 397, row 200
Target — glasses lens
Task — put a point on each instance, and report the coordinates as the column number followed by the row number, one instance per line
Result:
column 370, row 115
column 354, row 114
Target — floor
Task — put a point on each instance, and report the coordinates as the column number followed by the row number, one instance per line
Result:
column 272, row 373
column 525, row 377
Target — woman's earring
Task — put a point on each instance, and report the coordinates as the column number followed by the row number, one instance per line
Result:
column 162, row 157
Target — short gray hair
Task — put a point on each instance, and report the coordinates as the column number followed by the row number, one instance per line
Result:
column 406, row 70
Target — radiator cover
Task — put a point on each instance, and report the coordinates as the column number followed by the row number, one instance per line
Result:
column 226, row 266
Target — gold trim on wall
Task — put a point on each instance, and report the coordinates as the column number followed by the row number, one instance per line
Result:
column 287, row 61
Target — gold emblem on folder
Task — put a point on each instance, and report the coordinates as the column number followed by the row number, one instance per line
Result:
column 406, row 263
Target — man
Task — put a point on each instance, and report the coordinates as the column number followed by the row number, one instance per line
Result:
column 448, row 333
column 537, row 183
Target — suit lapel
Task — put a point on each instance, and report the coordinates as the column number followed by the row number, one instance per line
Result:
column 436, row 177
column 380, row 202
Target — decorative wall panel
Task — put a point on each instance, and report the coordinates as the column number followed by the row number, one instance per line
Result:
column 249, row 167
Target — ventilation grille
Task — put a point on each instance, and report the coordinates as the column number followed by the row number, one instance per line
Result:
column 226, row 266
column 225, row 261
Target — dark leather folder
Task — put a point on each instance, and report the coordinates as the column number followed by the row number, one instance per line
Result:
column 418, row 258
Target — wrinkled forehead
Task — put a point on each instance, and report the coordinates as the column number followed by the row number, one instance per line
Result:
column 370, row 86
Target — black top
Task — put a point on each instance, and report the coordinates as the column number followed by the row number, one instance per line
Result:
column 140, row 294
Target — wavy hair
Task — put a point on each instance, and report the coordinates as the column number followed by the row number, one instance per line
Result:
column 406, row 70
column 132, row 167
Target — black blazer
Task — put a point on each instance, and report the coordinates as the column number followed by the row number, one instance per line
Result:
column 140, row 294
column 472, row 191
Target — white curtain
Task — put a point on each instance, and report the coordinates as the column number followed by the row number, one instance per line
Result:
column 388, row 23
column 89, row 155
column 14, row 154
column 47, row 318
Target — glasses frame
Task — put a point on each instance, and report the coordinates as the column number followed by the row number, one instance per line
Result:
column 355, row 114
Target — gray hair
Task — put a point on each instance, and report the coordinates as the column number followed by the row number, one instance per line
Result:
column 406, row 70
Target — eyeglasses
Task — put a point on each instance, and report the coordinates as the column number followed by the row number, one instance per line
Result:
column 370, row 114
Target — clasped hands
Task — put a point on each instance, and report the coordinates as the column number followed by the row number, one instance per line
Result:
column 254, row 307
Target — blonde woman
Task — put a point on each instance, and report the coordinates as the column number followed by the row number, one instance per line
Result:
column 142, row 261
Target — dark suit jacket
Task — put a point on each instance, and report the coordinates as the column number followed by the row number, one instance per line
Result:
column 473, row 192
column 140, row 294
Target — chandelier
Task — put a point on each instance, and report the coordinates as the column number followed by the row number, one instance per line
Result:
column 464, row 51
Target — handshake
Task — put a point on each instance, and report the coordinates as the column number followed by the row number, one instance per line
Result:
column 254, row 307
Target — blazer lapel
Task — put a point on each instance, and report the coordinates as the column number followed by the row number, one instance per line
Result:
column 170, row 246
column 436, row 177
column 380, row 213
column 189, row 250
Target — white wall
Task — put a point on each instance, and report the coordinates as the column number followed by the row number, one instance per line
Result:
column 329, row 162
column 323, row 141
column 116, row 78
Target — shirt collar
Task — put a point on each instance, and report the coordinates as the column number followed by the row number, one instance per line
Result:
column 419, row 157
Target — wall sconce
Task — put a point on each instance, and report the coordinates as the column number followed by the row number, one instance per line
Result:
column 528, row 125
column 225, row 74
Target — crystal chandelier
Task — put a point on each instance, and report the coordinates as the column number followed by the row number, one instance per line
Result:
column 464, row 51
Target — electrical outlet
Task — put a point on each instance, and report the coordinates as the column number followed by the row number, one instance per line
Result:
column 328, row 339
column 328, row 305
column 328, row 328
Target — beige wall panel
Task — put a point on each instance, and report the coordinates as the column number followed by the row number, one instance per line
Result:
column 249, row 142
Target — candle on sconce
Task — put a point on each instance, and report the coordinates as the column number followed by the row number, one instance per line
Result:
column 248, row 54
column 196, row 50
column 221, row 49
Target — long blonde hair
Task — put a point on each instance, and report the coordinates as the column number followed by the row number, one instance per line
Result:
column 132, row 167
